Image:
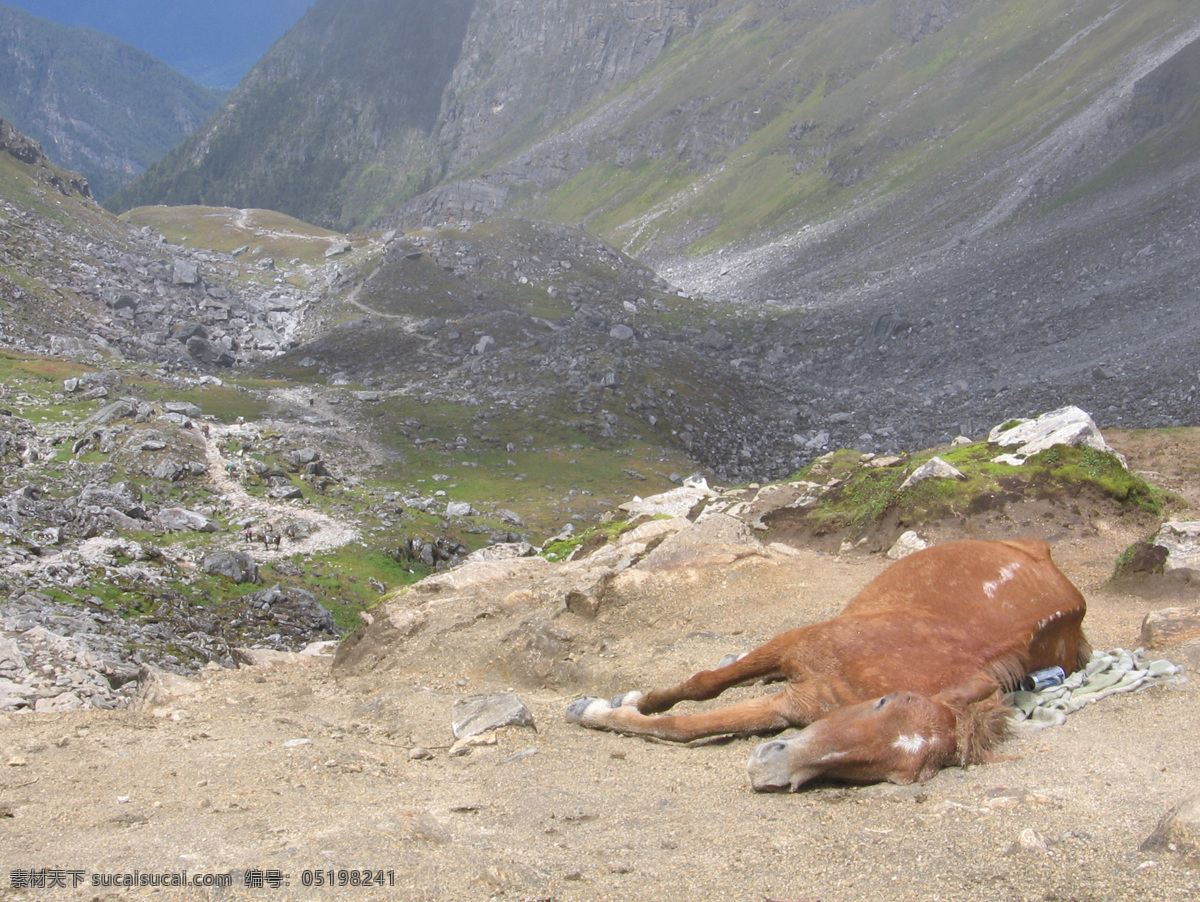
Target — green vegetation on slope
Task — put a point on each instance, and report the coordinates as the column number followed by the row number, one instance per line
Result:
column 864, row 498
column 769, row 121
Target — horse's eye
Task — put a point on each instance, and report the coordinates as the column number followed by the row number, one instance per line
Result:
column 883, row 701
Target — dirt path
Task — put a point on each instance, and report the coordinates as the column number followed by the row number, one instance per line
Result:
column 410, row 323
column 324, row 533
column 244, row 220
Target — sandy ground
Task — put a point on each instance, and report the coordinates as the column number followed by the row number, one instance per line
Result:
column 287, row 775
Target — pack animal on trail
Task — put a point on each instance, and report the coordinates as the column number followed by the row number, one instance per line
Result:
column 907, row 679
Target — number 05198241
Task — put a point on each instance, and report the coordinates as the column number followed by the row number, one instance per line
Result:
column 348, row 877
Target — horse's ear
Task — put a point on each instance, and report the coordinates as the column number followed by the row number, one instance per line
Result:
column 968, row 693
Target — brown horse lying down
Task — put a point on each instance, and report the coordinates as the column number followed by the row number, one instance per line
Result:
column 905, row 681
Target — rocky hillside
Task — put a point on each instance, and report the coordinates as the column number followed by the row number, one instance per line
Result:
column 553, row 325
column 680, row 128
column 96, row 104
column 907, row 221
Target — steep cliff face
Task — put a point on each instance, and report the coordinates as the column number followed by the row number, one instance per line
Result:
column 335, row 119
column 527, row 65
column 364, row 105
column 96, row 104
column 529, row 68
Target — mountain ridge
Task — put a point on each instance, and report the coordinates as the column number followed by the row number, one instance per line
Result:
column 215, row 43
column 95, row 103
column 683, row 132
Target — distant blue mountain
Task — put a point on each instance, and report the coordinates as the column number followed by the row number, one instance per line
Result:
column 96, row 104
column 214, row 42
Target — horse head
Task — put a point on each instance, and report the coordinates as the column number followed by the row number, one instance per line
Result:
column 904, row 737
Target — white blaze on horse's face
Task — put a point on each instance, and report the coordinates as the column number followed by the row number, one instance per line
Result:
column 903, row 737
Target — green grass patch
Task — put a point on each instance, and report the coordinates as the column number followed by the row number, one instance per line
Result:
column 1070, row 468
column 858, row 501
column 224, row 403
column 224, row 230
column 593, row 537
column 342, row 581
column 31, row 373
column 862, row 496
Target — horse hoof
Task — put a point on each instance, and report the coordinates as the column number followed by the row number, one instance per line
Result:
column 627, row 699
column 578, row 708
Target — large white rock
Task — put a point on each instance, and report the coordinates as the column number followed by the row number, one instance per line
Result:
column 503, row 551
column 934, row 468
column 675, row 503
column 179, row 519
column 908, row 543
column 1181, row 538
column 1065, row 426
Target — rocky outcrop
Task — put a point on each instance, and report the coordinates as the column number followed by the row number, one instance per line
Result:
column 1065, row 426
column 545, row 611
column 29, row 152
column 46, row 671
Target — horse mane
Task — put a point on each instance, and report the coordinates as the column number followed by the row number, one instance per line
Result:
column 1008, row 669
column 981, row 726
column 985, row 724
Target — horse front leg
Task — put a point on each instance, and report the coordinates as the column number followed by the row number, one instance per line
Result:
column 770, row 713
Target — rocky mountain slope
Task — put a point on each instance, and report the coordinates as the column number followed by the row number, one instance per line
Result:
column 678, row 129
column 908, row 220
column 551, row 321
column 96, row 104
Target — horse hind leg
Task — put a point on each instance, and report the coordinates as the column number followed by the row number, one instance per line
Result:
column 762, row 663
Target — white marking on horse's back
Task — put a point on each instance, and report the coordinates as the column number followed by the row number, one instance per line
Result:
column 914, row 745
column 1007, row 572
